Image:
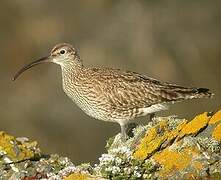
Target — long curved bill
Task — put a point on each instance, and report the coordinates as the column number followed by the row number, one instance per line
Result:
column 28, row 66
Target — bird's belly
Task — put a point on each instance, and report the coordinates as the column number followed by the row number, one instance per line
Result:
column 90, row 109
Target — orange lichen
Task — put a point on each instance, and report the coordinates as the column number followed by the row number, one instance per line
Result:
column 145, row 150
column 215, row 118
column 217, row 133
column 172, row 161
column 151, row 134
column 14, row 149
column 153, row 140
column 76, row 176
column 81, row 176
column 162, row 124
column 195, row 125
column 148, row 144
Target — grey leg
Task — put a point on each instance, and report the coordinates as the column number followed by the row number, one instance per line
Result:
column 123, row 132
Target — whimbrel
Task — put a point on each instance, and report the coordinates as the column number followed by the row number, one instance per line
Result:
column 111, row 94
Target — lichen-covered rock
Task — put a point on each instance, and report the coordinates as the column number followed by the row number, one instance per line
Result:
column 166, row 148
column 12, row 149
column 173, row 148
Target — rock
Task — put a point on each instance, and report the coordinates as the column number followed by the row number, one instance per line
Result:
column 166, row 148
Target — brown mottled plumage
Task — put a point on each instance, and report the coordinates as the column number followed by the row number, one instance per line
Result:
column 111, row 94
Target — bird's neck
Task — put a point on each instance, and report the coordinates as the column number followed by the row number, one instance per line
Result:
column 71, row 67
column 71, row 64
column 71, row 74
column 71, row 70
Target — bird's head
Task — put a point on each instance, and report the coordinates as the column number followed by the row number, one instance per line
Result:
column 63, row 54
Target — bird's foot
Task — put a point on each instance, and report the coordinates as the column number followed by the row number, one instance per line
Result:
column 152, row 116
column 129, row 129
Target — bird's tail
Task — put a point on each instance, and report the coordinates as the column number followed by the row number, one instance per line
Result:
column 201, row 93
column 177, row 93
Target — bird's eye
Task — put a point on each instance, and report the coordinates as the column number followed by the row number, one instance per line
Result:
column 62, row 51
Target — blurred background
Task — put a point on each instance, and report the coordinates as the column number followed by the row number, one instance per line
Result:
column 174, row 41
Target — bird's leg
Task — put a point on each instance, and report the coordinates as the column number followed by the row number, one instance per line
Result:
column 123, row 132
column 152, row 116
